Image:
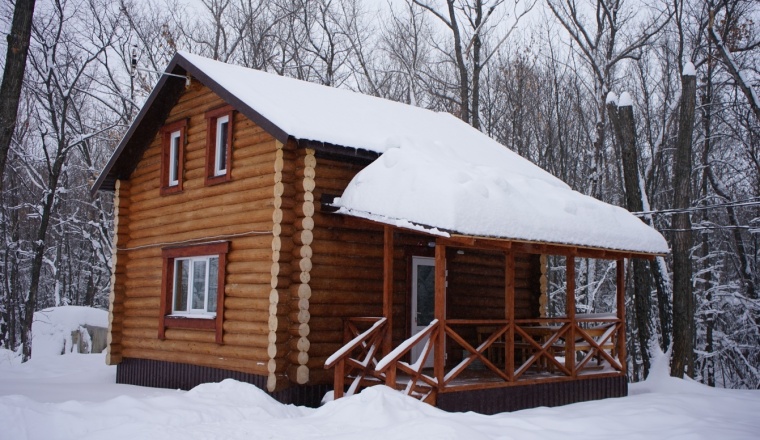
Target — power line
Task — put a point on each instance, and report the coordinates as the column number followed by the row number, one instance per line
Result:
column 755, row 201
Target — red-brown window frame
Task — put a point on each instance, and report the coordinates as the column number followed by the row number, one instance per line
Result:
column 166, row 133
column 211, row 118
column 166, row 320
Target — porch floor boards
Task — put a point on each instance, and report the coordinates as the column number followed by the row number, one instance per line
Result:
column 482, row 378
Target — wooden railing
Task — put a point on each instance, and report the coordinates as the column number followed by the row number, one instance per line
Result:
column 419, row 385
column 519, row 350
column 357, row 359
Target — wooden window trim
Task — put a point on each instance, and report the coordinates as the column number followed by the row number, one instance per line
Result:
column 166, row 133
column 168, row 256
column 211, row 118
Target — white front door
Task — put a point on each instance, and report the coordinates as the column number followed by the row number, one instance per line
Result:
column 423, row 301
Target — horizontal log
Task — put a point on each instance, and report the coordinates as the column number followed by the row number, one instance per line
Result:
column 327, row 297
column 253, row 340
column 247, row 290
column 259, row 304
column 200, row 234
column 144, row 291
column 206, row 360
column 188, row 222
column 343, row 310
column 344, row 260
column 245, row 178
column 142, row 303
column 345, row 285
column 335, row 247
column 347, row 272
column 141, row 313
column 249, row 278
column 244, row 327
column 263, row 253
column 246, row 315
column 141, row 322
column 341, row 235
column 210, row 348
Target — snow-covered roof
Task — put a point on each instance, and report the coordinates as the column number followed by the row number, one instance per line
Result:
column 435, row 172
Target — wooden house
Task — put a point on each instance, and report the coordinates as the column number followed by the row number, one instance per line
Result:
column 304, row 238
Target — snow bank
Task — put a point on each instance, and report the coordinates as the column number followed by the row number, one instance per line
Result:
column 52, row 327
column 8, row 357
column 74, row 397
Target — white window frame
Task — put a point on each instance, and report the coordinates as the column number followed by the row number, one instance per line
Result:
column 221, row 146
column 189, row 310
column 174, row 145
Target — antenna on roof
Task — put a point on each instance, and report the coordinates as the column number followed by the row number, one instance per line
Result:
column 134, row 68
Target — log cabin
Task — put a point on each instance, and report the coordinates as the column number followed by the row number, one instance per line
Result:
column 308, row 239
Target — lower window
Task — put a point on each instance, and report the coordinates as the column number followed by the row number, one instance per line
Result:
column 193, row 288
column 195, row 285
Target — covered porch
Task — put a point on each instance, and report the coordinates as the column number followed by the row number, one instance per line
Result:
column 471, row 345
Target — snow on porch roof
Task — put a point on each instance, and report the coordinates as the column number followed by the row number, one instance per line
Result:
column 435, row 170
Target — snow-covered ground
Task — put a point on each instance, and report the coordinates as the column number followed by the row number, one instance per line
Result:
column 74, row 397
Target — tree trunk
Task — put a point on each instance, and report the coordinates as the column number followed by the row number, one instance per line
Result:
column 15, row 63
column 39, row 247
column 683, row 295
column 623, row 125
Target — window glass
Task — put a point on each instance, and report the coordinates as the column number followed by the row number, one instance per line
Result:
column 222, row 133
column 196, row 284
column 181, row 276
column 213, row 283
column 199, row 285
column 174, row 158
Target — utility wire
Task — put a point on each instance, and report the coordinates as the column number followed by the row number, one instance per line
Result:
column 755, row 201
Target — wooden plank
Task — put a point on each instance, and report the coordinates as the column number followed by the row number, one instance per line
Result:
column 509, row 313
column 440, row 312
column 570, row 313
column 621, row 343
column 388, row 287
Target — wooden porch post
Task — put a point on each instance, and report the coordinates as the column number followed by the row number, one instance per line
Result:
column 388, row 288
column 570, row 312
column 440, row 312
column 509, row 314
column 621, row 345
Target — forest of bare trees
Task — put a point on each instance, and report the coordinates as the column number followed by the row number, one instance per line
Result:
column 647, row 104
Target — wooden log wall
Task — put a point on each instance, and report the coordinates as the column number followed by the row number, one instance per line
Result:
column 346, row 270
column 300, row 291
column 118, row 270
column 282, row 231
column 476, row 284
column 252, row 211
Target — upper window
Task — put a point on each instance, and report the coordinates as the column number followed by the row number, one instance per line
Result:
column 219, row 145
column 193, row 287
column 172, row 156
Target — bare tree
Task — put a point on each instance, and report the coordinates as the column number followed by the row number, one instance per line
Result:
column 15, row 64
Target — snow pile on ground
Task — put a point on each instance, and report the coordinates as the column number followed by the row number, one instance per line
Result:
column 52, row 328
column 8, row 357
column 74, row 397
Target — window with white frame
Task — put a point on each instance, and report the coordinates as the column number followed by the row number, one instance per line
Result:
column 172, row 156
column 192, row 285
column 222, row 135
column 219, row 128
column 174, row 149
column 195, row 285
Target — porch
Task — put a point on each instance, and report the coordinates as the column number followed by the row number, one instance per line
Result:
column 479, row 354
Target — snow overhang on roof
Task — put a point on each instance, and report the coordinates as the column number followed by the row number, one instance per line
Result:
column 434, row 169
column 459, row 181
